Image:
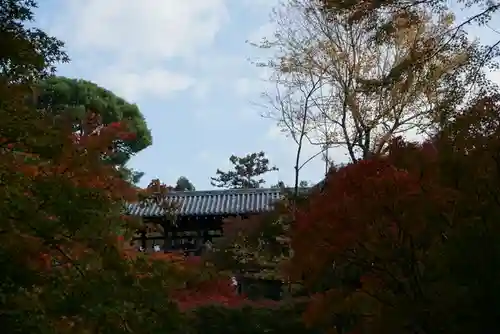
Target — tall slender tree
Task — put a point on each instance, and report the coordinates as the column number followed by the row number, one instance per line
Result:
column 337, row 85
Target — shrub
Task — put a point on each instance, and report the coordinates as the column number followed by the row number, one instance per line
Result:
column 250, row 319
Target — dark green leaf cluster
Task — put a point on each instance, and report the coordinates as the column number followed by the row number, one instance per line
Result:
column 74, row 97
column 26, row 54
column 246, row 173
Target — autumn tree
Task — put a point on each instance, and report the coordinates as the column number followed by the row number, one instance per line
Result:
column 65, row 206
column 380, row 18
column 407, row 243
column 64, row 269
column 246, row 173
column 248, row 245
column 73, row 97
column 337, row 87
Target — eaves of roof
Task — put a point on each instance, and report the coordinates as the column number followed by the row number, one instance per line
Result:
column 212, row 202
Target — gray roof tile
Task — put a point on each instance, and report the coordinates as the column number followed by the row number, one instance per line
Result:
column 213, row 202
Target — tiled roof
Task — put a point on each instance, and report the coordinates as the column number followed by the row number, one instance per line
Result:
column 213, row 202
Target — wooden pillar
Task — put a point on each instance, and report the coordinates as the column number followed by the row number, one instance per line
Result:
column 239, row 279
column 143, row 240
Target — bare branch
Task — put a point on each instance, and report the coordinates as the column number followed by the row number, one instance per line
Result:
column 336, row 86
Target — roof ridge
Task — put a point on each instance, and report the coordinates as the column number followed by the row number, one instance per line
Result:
column 213, row 202
column 224, row 191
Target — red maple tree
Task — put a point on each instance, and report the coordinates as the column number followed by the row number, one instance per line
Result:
column 400, row 242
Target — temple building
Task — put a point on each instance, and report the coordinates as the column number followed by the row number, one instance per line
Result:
column 196, row 220
column 197, row 217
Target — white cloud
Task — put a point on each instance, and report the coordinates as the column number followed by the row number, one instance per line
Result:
column 129, row 42
column 216, row 71
column 205, row 155
column 274, row 133
column 243, row 87
column 261, row 5
column 201, row 89
column 249, row 114
column 143, row 30
column 157, row 83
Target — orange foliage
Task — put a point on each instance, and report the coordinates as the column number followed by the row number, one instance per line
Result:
column 203, row 287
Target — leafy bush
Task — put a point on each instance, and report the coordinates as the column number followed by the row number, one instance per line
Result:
column 250, row 319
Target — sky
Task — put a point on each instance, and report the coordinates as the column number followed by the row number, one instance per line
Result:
column 187, row 66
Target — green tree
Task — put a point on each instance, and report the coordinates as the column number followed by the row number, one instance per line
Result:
column 246, row 173
column 26, row 53
column 73, row 97
column 129, row 174
column 183, row 184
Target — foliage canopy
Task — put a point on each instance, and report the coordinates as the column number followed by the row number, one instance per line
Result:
column 408, row 242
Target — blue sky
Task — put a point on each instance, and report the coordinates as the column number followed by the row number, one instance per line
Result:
column 185, row 64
